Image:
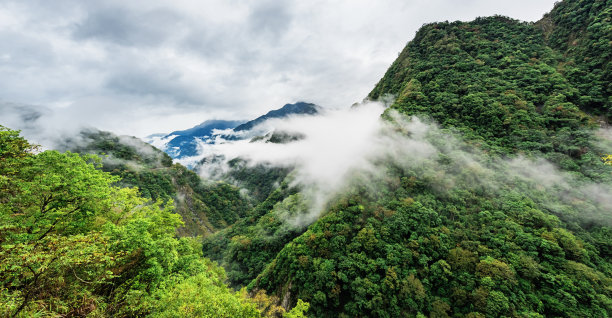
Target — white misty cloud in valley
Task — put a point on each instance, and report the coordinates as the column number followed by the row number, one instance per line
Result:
column 333, row 143
column 336, row 147
column 341, row 149
column 159, row 141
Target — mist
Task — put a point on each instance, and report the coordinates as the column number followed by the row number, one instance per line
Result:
column 40, row 125
column 354, row 147
column 342, row 149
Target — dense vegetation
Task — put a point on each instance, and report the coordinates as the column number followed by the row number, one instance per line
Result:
column 205, row 207
column 463, row 234
column 446, row 238
column 246, row 247
column 582, row 32
column 497, row 81
column 74, row 245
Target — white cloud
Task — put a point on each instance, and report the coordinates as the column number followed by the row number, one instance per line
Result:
column 342, row 149
column 118, row 65
column 336, row 146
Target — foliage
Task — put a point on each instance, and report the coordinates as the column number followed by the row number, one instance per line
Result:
column 582, row 32
column 498, row 82
column 205, row 207
column 246, row 247
column 441, row 239
column 460, row 234
column 72, row 244
column 416, row 248
column 260, row 180
column 204, row 296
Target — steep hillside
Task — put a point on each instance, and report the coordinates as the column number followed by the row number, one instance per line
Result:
column 495, row 80
column 582, row 32
column 482, row 228
column 205, row 208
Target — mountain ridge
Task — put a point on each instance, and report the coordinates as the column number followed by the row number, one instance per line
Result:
column 491, row 198
column 299, row 108
column 184, row 143
column 204, row 206
column 437, row 239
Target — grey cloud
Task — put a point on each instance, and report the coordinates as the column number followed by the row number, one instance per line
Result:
column 159, row 83
column 124, row 27
column 271, row 19
column 247, row 44
column 236, row 58
column 214, row 42
column 22, row 117
column 38, row 124
column 18, row 50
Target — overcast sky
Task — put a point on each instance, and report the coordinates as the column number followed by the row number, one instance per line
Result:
column 141, row 67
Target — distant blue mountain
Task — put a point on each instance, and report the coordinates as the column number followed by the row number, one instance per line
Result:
column 299, row 108
column 206, row 128
column 185, row 143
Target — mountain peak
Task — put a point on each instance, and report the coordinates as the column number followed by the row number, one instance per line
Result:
column 299, row 108
column 205, row 128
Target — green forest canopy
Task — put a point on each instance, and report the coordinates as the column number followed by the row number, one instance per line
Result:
column 74, row 244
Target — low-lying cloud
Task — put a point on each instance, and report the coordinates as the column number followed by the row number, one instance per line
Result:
column 340, row 149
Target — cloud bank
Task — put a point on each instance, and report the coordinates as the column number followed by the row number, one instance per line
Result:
column 142, row 67
column 343, row 149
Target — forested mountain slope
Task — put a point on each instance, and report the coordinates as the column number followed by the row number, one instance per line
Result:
column 497, row 81
column 483, row 228
column 488, row 198
column 74, row 245
column 582, row 32
column 205, row 207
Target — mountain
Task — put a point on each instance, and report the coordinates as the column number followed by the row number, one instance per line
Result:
column 261, row 179
column 206, row 128
column 488, row 197
column 184, row 143
column 204, row 207
column 499, row 82
column 299, row 108
column 478, row 230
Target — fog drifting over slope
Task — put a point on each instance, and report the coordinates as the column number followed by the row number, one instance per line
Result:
column 354, row 147
column 343, row 149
